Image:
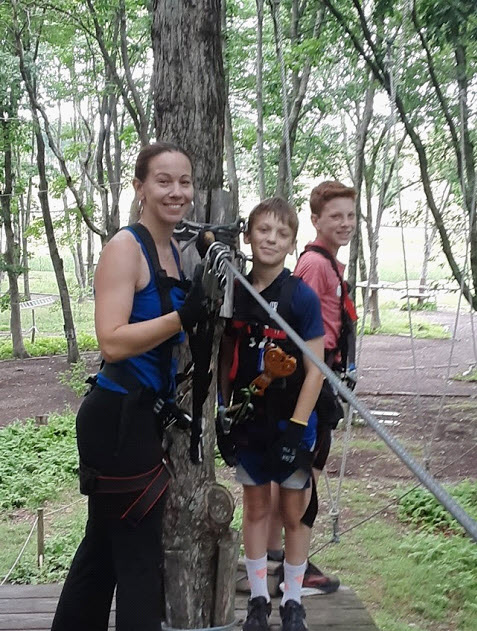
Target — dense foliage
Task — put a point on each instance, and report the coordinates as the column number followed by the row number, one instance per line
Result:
column 36, row 462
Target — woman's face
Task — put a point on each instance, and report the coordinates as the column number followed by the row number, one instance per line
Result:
column 167, row 191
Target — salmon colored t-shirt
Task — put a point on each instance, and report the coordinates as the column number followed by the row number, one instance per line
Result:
column 318, row 273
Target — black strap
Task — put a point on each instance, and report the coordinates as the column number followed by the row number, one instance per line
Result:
column 347, row 328
column 286, row 294
column 150, row 496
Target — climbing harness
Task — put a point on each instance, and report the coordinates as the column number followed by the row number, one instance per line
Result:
column 277, row 364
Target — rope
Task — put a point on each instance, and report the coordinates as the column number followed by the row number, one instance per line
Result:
column 32, row 529
column 430, row 444
column 401, row 221
column 20, row 554
column 373, row 256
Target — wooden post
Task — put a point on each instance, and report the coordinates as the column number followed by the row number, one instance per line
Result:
column 40, row 537
column 226, row 579
column 33, row 326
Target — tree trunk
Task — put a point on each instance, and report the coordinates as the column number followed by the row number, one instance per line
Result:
column 189, row 100
column 259, row 89
column 68, row 323
column 357, row 176
column 11, row 252
column 228, row 132
column 90, row 257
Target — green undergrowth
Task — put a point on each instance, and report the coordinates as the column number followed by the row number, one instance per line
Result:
column 469, row 375
column 36, row 462
column 421, row 508
column 408, row 580
column 63, row 533
column 45, row 346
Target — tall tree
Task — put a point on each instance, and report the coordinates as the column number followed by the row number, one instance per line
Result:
column 19, row 25
column 8, row 125
column 441, row 35
column 189, row 100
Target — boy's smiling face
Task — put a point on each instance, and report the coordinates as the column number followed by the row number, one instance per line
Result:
column 270, row 239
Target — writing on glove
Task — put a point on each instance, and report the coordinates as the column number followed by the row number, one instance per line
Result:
column 287, row 449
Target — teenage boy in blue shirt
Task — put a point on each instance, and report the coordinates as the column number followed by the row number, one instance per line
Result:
column 275, row 442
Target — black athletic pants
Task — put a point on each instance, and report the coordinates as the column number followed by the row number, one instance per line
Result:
column 117, row 435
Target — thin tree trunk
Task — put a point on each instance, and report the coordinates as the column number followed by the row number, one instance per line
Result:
column 25, row 213
column 259, row 89
column 90, row 257
column 357, row 176
column 11, row 252
column 228, row 130
column 69, row 328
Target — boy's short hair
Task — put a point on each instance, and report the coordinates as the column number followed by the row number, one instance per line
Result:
column 280, row 208
column 326, row 191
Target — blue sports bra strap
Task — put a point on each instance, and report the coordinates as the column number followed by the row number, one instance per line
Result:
column 163, row 286
column 159, row 273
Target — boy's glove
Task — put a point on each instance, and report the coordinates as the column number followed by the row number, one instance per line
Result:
column 194, row 309
column 286, row 450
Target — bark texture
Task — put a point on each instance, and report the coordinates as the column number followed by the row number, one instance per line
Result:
column 189, row 84
column 12, row 258
column 189, row 100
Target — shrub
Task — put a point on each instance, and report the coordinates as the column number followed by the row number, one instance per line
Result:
column 36, row 462
column 421, row 508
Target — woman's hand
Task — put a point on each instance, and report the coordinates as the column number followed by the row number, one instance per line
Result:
column 194, row 309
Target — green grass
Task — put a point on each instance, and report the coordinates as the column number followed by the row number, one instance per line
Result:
column 45, row 346
column 395, row 322
column 408, row 581
column 63, row 533
column 470, row 375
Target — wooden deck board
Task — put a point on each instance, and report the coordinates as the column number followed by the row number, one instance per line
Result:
column 31, row 608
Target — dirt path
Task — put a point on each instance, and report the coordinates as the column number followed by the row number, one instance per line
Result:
column 31, row 387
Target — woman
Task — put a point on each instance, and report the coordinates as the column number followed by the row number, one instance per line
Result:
column 140, row 316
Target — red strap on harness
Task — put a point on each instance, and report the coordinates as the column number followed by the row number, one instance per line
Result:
column 348, row 305
column 240, row 326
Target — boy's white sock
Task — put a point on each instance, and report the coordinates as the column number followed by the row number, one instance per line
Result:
column 293, row 581
column 257, row 577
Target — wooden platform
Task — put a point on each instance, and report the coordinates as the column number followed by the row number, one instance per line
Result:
column 31, row 608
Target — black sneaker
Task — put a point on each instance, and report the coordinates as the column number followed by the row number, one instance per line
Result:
column 293, row 616
column 258, row 612
column 315, row 582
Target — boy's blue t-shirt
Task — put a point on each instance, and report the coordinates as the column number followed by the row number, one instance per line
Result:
column 305, row 309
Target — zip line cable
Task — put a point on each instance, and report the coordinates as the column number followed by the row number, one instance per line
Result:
column 390, row 504
column 469, row 524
